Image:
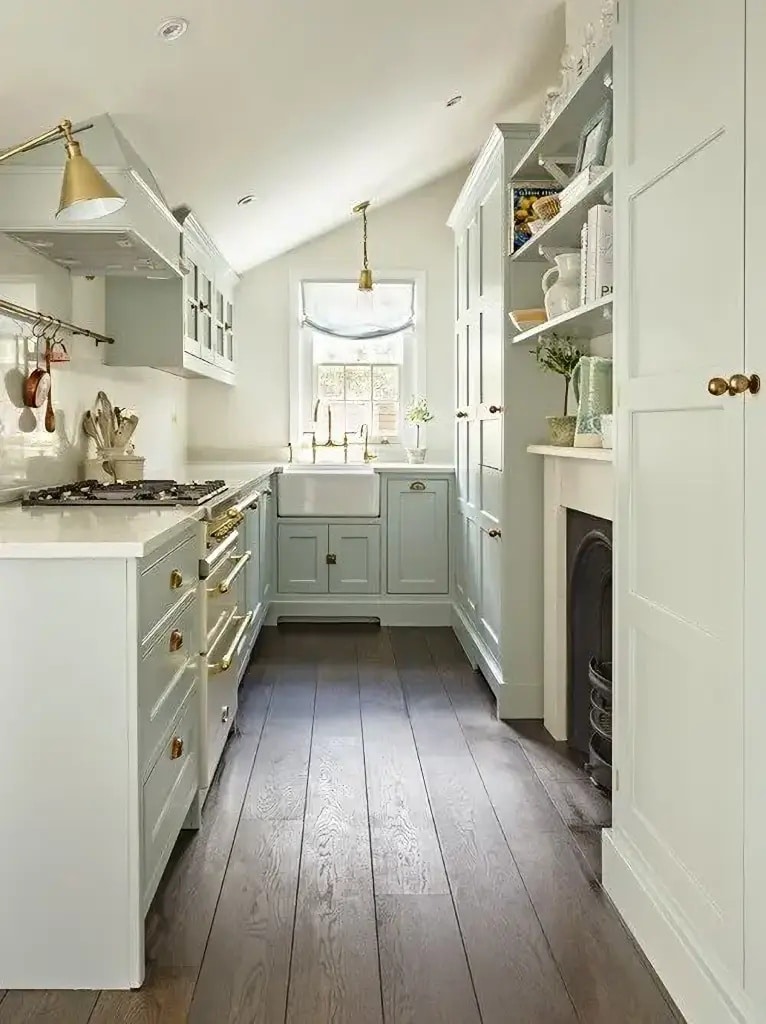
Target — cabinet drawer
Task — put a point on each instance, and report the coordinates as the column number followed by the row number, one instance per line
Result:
column 168, row 792
column 165, row 674
column 166, row 580
column 236, row 560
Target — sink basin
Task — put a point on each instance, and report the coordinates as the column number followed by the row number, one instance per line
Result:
column 328, row 491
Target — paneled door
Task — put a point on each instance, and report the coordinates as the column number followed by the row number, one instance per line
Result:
column 302, row 558
column 354, row 554
column 679, row 552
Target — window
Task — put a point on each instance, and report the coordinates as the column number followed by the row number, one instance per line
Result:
column 357, row 356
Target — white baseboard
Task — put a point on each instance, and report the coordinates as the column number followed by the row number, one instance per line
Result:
column 422, row 612
column 702, row 992
column 512, row 701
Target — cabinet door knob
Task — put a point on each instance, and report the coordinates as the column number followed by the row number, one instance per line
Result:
column 494, row 533
column 461, row 414
column 718, row 386
column 176, row 748
column 176, row 640
column 176, row 579
column 331, row 559
column 737, row 384
column 495, row 408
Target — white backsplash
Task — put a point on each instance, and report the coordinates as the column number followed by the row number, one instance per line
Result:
column 29, row 454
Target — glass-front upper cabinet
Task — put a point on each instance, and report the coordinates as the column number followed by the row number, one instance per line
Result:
column 205, row 314
column 191, row 326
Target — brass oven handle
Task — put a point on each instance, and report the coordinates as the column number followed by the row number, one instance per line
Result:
column 176, row 748
column 239, row 565
column 210, row 563
column 249, row 501
column 225, row 663
column 219, row 627
column 176, row 641
column 176, row 579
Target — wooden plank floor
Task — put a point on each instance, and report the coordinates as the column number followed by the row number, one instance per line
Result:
column 378, row 849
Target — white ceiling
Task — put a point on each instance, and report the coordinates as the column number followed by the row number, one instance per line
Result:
column 312, row 105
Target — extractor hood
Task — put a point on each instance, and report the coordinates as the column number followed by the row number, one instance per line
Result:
column 142, row 239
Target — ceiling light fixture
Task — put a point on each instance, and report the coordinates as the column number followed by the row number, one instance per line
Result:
column 454, row 100
column 246, row 200
column 365, row 274
column 171, row 29
column 85, row 192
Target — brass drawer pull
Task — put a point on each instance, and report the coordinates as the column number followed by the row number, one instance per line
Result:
column 494, row 533
column 417, row 485
column 176, row 640
column 239, row 564
column 176, row 748
column 225, row 663
column 176, row 579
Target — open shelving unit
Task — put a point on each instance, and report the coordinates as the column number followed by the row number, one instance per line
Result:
column 592, row 454
column 563, row 231
column 562, row 133
column 589, row 321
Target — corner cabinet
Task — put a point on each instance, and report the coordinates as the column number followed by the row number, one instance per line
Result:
column 502, row 402
column 182, row 324
column 418, row 536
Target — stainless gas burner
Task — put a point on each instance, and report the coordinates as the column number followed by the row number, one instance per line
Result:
column 142, row 492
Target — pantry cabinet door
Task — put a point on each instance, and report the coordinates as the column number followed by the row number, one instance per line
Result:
column 679, row 556
column 355, row 559
column 302, row 557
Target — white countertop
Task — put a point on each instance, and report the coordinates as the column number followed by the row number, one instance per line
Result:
column 78, row 532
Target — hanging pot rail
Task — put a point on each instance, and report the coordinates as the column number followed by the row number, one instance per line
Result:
column 22, row 313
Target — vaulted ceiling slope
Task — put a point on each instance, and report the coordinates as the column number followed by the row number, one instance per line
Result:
column 311, row 105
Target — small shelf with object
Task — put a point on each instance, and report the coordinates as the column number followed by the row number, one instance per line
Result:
column 588, row 321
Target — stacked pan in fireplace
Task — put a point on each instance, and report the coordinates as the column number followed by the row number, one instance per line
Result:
column 600, row 762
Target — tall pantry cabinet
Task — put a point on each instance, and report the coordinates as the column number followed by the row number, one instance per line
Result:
column 685, row 860
column 502, row 401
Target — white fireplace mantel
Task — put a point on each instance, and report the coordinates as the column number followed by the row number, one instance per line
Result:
column 579, row 478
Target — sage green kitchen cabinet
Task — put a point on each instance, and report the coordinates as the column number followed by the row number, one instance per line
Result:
column 418, row 536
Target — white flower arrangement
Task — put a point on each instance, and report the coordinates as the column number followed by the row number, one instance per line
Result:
column 418, row 414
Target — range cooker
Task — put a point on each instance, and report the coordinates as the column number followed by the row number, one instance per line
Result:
column 140, row 492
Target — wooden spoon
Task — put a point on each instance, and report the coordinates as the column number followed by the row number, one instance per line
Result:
column 50, row 416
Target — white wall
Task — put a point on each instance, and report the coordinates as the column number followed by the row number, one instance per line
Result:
column 252, row 420
column 578, row 14
column 27, row 452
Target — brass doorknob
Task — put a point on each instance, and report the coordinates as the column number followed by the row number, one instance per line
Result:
column 737, row 384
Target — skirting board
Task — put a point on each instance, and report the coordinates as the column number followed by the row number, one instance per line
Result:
column 391, row 613
column 512, row 701
column 700, row 995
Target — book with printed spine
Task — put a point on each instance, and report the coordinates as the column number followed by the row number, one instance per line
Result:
column 599, row 271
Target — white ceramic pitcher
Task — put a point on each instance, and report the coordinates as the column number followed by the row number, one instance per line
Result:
column 563, row 294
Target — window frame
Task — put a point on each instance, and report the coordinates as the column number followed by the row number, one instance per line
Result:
column 301, row 368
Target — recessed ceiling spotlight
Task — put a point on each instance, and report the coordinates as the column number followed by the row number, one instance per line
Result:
column 245, row 200
column 454, row 100
column 171, row 29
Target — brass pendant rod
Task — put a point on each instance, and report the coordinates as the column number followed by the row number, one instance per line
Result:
column 61, row 131
column 31, row 315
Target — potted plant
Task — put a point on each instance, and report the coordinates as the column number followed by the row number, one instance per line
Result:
column 560, row 355
column 418, row 414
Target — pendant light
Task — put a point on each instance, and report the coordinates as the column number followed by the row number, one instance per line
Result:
column 365, row 275
column 85, row 192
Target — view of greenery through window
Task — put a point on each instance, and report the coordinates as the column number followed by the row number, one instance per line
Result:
column 357, row 394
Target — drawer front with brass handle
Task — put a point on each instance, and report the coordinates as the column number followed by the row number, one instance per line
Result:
column 239, row 563
column 165, row 674
column 229, row 644
column 169, row 790
column 166, row 581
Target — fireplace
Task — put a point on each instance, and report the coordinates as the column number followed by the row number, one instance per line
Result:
column 589, row 641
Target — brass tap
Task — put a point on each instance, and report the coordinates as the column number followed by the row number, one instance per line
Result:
column 364, row 432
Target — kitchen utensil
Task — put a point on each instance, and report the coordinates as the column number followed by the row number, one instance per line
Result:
column 563, row 294
column 125, row 430
column 104, row 407
column 89, row 427
column 524, row 319
column 50, row 416
column 592, row 378
column 37, row 384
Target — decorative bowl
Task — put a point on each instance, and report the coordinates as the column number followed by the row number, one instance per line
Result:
column 526, row 319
